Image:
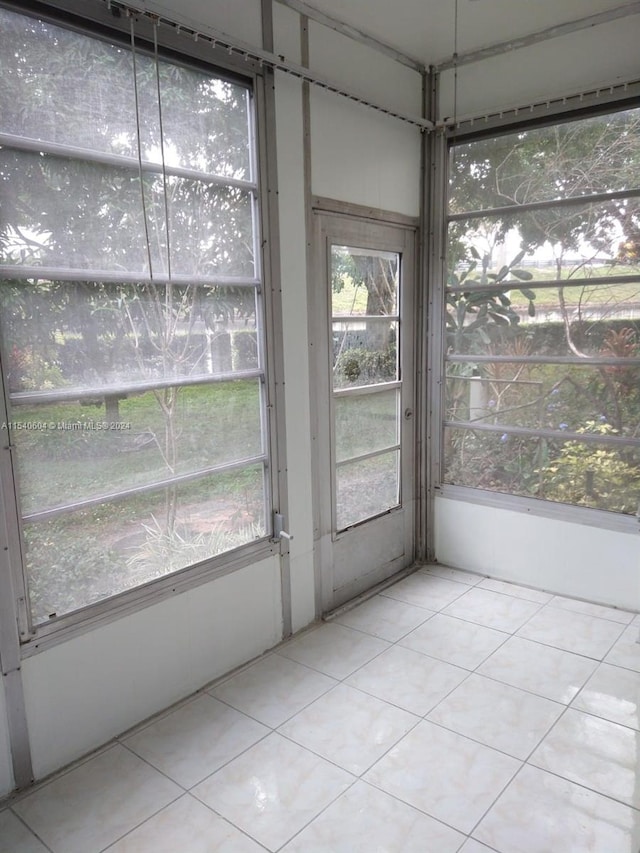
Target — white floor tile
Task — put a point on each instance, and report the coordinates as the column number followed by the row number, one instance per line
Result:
column 365, row 819
column 15, row 837
column 626, row 652
column 573, row 632
column 186, row 826
column 624, row 617
column 552, row 673
column 273, row 689
column 459, row 575
column 196, row 739
column 425, row 590
column 473, row 846
column 595, row 753
column 444, row 774
column 454, row 641
column 541, row 813
column 96, row 803
column 497, row 715
column 492, row 609
column 515, row 590
column 408, row 679
column 612, row 693
column 273, row 790
column 349, row 728
column 333, row 649
column 385, row 618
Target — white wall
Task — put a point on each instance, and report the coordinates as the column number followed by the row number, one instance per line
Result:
column 552, row 554
column 81, row 693
column 359, row 155
column 6, row 772
column 570, row 64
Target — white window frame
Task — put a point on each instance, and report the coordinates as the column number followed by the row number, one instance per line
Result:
column 98, row 20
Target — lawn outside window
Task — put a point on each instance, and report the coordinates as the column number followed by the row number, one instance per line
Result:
column 542, row 354
column 130, row 312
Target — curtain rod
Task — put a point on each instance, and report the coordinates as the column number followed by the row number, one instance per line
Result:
column 264, row 58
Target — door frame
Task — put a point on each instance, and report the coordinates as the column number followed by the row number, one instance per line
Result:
column 324, row 210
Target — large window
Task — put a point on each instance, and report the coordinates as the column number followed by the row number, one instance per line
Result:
column 132, row 351
column 543, row 314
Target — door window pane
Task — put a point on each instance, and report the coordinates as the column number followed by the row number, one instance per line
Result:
column 367, row 488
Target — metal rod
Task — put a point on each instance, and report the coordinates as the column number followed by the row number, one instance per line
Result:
column 362, row 390
column 556, row 435
column 353, row 33
column 595, row 361
column 544, row 284
column 356, row 318
column 561, row 106
column 65, row 395
column 66, row 509
column 540, row 35
column 364, row 456
column 19, row 271
column 264, row 57
column 573, row 201
column 120, row 161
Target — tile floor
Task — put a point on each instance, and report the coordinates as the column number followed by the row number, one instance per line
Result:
column 450, row 713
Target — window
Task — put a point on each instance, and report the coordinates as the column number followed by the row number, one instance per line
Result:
column 543, row 314
column 131, row 317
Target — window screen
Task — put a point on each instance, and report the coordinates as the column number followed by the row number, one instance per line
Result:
column 131, row 318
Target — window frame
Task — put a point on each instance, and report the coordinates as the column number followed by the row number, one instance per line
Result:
column 467, row 132
column 99, row 22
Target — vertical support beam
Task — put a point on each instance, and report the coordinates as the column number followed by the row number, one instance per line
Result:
column 274, row 307
column 11, row 664
column 434, row 198
column 312, row 326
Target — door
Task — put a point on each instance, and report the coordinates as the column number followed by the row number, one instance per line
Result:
column 365, row 403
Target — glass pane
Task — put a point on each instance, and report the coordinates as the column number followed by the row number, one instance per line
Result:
column 80, row 215
column 211, row 229
column 366, row 423
column 83, row 449
column 582, row 320
column 547, row 396
column 593, row 155
column 364, row 281
column 367, row 488
column 560, row 243
column 364, row 352
column 90, row 102
column 77, row 559
column 89, row 335
column 592, row 475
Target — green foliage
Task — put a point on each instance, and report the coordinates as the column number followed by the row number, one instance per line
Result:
column 473, row 314
column 361, row 366
column 592, row 475
column 164, row 551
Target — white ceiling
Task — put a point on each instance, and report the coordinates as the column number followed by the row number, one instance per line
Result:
column 424, row 29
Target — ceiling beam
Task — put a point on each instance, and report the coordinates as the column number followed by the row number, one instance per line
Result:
column 353, row 33
column 541, row 35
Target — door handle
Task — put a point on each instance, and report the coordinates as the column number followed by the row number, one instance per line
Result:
column 408, row 414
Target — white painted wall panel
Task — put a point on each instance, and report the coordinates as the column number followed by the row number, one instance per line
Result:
column 286, row 33
column 239, row 18
column 6, row 772
column 552, row 554
column 601, row 55
column 84, row 692
column 296, row 344
column 364, row 71
column 363, row 157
